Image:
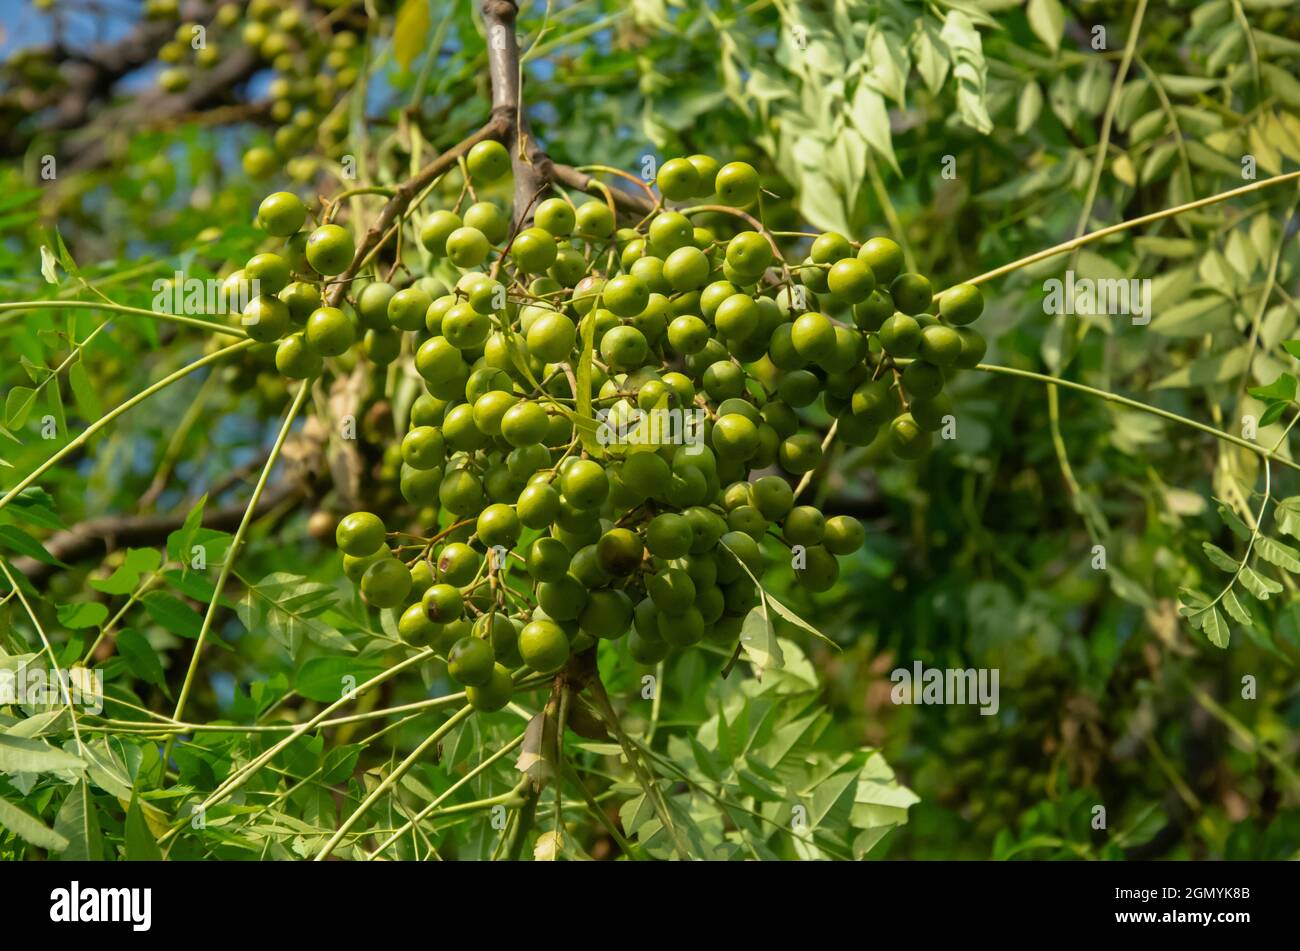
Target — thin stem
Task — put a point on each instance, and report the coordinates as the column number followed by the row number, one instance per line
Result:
column 232, row 330
column 391, row 779
column 1131, row 223
column 229, row 563
column 134, row 401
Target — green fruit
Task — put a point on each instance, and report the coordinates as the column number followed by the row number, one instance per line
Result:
column 844, row 535
column 525, row 424
column 682, row 630
column 800, row 453
column 749, row 253
column 851, row 279
column 296, row 359
column 443, row 603
column 266, row 318
column 706, row 167
column 359, row 534
column 813, row 337
column 799, row 387
column 458, row 564
column 608, row 614
column 593, row 219
column 494, row 693
column 543, row 645
column 406, row 308
column 488, row 217
column 820, row 570
column 465, row 328
column 669, row 535
column 301, row 298
column 737, row 317
column 423, row 448
column 619, row 551
column 329, row 331
column 626, row 295
column 646, row 650
column 940, row 345
column 906, row 438
column 645, row 474
column 471, row 661
column 672, row 591
column 900, row 335
column 737, row 184
column 624, row 348
column 415, row 627
column 386, row 583
column 538, row 505
column 562, row 599
column 437, row 228
column 533, row 250
column 669, row 231
column 973, row 348
column 490, row 408
column 804, row 525
column 686, row 269
column 884, row 257
column 460, row 492
column 912, row 293
column 281, row 214
column 548, row 559
column 961, row 305
column 688, row 334
column 556, row 216
column 259, row 162
column 488, row 161
column 442, row 367
column 330, row 249
column 772, row 496
column 678, row 180
column 724, row 380
column 467, row 247
column 922, row 380
column 830, row 247
column 551, row 337
column 736, row 436
column 584, row 484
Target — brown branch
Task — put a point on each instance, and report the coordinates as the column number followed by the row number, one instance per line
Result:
column 96, row 537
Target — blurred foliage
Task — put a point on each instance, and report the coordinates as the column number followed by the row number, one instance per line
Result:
column 976, row 133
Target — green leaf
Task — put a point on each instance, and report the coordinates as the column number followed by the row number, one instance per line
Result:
column 78, row 822
column 1292, row 347
column 141, row 659
column 1261, row 586
column 288, row 607
column 1029, row 108
column 1047, row 20
column 1273, row 413
column 83, row 392
column 1287, row 516
column 140, row 844
column 758, row 639
column 411, row 31
column 82, row 614
column 1276, row 553
column 18, row 406
column 1215, row 629
column 1220, row 558
column 15, row 539
column 1234, row 608
column 1203, row 371
column 1283, row 388
column 30, row 829
column 1237, row 526
column 181, row 542
column 326, row 679
column 126, row 577
column 21, row 755
column 173, row 614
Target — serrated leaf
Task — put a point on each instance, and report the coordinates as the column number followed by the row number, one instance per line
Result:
column 1215, row 628
column 1286, row 515
column 1276, row 553
column 30, row 829
column 1220, row 558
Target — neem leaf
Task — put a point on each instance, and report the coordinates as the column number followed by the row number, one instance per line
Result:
column 126, row 577
column 1215, row 628
column 81, row 614
column 141, row 659
column 30, row 829
column 1276, row 553
column 1283, row 388
column 15, row 539
column 1219, row 557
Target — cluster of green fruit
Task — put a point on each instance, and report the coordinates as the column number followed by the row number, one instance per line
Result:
column 555, row 538
column 315, row 62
